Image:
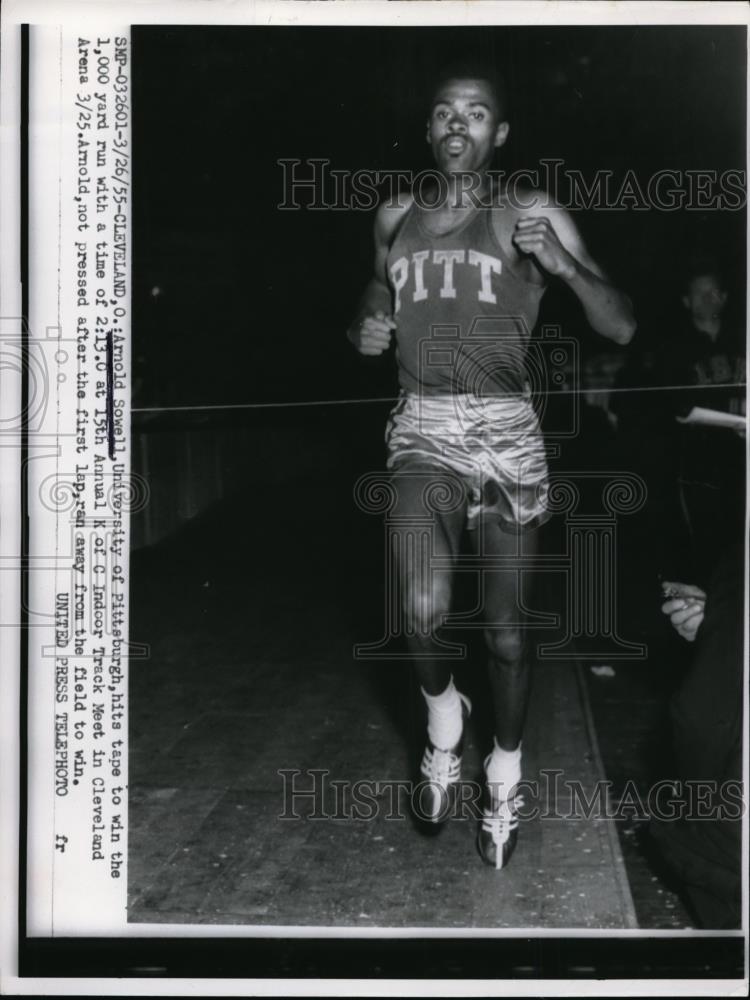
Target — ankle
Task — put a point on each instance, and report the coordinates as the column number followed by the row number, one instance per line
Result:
column 444, row 717
column 503, row 769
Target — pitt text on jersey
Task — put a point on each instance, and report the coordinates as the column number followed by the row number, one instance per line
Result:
column 444, row 261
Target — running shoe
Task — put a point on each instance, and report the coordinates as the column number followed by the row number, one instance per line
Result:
column 441, row 771
column 498, row 829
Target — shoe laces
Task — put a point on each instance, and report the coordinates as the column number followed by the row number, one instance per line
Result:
column 501, row 819
column 440, row 766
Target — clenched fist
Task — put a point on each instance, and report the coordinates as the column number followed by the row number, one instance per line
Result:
column 536, row 235
column 373, row 335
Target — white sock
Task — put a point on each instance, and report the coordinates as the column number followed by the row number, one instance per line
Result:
column 444, row 717
column 503, row 770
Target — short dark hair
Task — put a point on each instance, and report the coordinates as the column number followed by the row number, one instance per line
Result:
column 476, row 69
column 703, row 267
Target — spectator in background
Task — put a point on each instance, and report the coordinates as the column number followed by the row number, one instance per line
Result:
column 704, row 847
column 708, row 358
column 680, row 427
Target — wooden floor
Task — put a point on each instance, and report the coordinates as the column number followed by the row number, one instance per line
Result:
column 208, row 846
column 248, row 676
column 633, row 730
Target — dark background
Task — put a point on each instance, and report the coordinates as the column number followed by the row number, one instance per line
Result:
column 237, row 302
column 252, row 302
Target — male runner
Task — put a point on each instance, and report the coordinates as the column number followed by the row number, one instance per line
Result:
column 481, row 271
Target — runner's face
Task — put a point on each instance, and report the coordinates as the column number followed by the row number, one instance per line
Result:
column 464, row 127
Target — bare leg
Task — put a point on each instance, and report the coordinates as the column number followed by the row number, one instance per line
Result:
column 509, row 669
column 510, row 676
column 426, row 593
column 429, row 530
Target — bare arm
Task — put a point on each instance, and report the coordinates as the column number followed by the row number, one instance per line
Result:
column 376, row 299
column 556, row 243
column 372, row 327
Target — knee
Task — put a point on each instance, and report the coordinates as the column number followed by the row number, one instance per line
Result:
column 425, row 607
column 505, row 646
